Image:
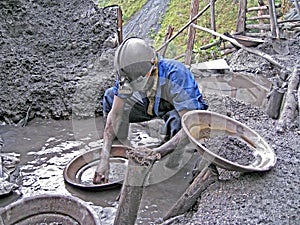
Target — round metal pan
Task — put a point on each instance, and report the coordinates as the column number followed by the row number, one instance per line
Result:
column 49, row 209
column 199, row 124
column 80, row 171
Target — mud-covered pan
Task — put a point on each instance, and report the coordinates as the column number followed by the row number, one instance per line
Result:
column 247, row 41
column 49, row 209
column 199, row 125
column 79, row 171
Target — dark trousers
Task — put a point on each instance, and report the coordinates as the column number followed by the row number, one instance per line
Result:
column 136, row 111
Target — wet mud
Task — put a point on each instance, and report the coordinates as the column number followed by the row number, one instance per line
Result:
column 47, row 146
column 57, row 63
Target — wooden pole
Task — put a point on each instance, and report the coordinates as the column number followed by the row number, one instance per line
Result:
column 290, row 106
column 167, row 37
column 191, row 33
column 120, row 25
column 131, row 193
column 184, row 27
column 1, row 168
column 212, row 16
column 299, row 104
column 241, row 20
column 274, row 101
column 273, row 19
column 261, row 14
column 297, row 6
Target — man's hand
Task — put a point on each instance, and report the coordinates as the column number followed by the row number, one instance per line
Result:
column 101, row 173
column 143, row 156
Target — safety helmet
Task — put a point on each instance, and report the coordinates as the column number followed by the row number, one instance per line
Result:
column 134, row 58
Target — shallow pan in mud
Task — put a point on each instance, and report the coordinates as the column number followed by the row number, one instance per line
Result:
column 49, row 209
column 80, row 171
column 201, row 126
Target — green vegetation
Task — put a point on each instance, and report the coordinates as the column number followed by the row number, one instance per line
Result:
column 178, row 14
column 129, row 7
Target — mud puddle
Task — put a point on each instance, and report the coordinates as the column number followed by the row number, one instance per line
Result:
column 47, row 146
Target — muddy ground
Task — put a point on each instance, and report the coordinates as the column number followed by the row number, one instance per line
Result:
column 55, row 64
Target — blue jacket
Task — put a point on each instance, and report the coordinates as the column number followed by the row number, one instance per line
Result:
column 176, row 85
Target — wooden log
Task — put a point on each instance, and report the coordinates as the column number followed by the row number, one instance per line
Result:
column 289, row 21
column 273, row 19
column 297, row 6
column 241, row 19
column 262, row 17
column 258, row 26
column 212, row 16
column 265, row 7
column 260, row 35
column 131, row 193
column 191, row 33
column 290, row 106
column 208, row 46
column 206, row 177
column 274, row 101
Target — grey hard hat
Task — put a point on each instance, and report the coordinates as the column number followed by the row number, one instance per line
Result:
column 134, row 58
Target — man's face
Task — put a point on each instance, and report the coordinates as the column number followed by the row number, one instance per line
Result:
column 141, row 83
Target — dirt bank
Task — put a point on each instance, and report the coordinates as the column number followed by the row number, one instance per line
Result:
column 52, row 58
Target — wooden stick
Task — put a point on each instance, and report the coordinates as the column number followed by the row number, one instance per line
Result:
column 167, row 37
column 204, row 47
column 290, row 105
column 205, row 178
column 265, row 7
column 262, row 17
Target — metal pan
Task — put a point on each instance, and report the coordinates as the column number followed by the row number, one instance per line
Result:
column 80, row 171
column 199, row 124
column 248, row 41
column 49, row 209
